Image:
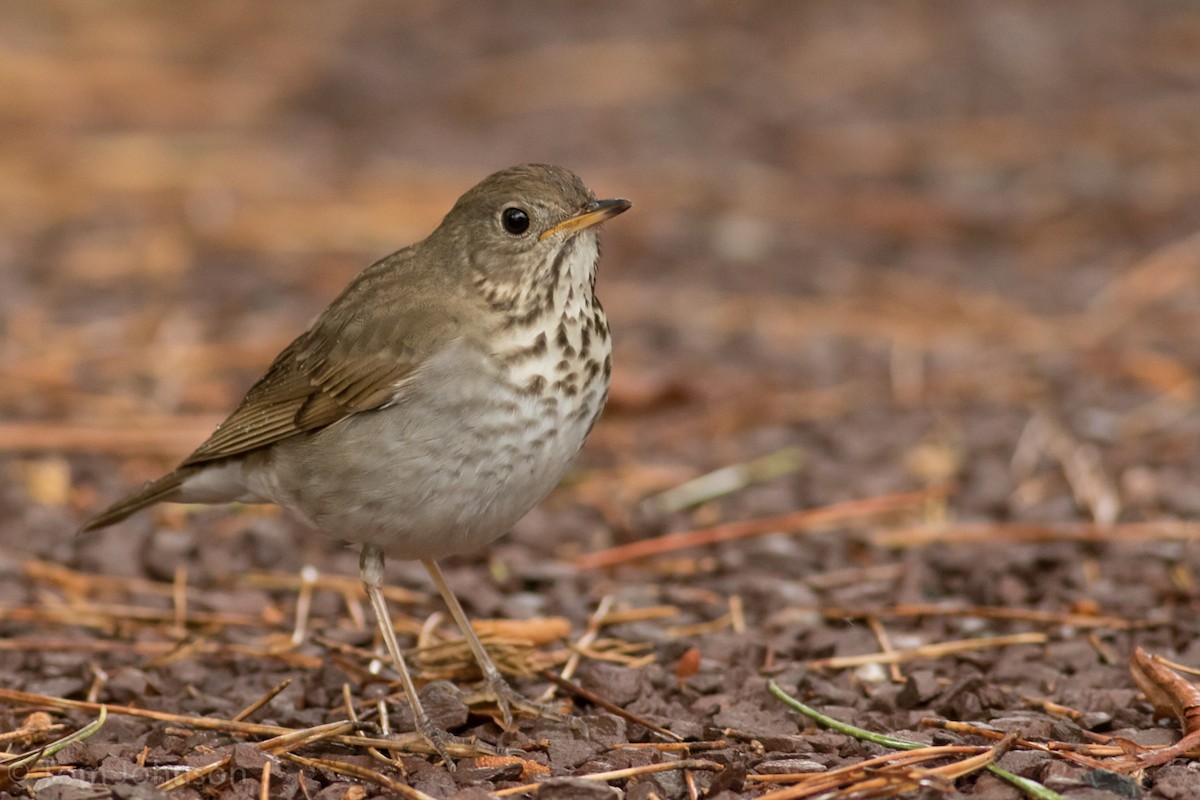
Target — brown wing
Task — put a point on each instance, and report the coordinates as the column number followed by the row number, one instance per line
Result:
column 298, row 395
column 349, row 361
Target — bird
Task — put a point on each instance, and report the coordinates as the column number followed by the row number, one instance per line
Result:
column 435, row 401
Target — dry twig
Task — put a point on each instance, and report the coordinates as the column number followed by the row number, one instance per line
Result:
column 799, row 522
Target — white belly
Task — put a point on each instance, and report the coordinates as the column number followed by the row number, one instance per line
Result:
column 447, row 469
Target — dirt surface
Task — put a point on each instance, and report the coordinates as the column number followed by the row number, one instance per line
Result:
column 929, row 268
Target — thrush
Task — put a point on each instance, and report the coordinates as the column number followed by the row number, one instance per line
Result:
column 440, row 397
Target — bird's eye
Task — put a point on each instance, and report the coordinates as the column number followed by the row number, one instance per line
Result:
column 514, row 220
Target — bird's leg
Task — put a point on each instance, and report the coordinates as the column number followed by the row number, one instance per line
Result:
column 506, row 697
column 371, row 572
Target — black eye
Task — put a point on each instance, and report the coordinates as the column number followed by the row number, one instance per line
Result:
column 514, row 220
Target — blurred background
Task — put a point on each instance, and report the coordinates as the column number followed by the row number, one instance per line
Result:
column 891, row 235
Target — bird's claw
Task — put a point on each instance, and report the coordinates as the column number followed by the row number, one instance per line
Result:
column 508, row 699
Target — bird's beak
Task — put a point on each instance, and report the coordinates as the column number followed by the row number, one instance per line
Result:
column 596, row 212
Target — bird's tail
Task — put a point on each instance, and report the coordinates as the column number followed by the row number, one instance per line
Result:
column 165, row 488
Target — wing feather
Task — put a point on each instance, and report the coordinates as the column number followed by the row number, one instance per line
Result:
column 346, row 363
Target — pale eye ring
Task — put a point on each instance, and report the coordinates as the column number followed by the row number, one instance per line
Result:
column 515, row 220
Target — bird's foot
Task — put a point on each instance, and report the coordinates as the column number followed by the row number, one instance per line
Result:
column 508, row 701
column 446, row 745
